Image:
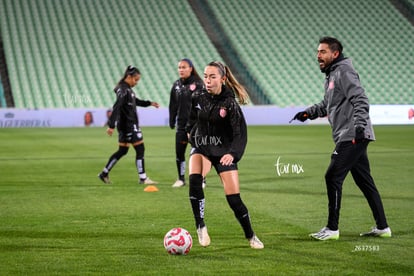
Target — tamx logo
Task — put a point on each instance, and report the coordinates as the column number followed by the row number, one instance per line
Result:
column 287, row 168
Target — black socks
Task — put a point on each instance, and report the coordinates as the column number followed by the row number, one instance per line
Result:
column 114, row 158
column 241, row 213
column 197, row 199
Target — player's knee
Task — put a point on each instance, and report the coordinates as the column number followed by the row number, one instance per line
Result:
column 122, row 151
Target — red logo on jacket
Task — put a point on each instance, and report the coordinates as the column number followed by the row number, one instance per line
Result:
column 223, row 112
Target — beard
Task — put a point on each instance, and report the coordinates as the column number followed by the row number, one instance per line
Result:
column 323, row 65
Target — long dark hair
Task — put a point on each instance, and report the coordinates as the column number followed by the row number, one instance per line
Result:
column 130, row 71
column 194, row 72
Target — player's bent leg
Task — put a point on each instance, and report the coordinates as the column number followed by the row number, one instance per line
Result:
column 206, row 170
column 195, row 165
column 242, row 215
column 104, row 175
column 140, row 163
column 230, row 180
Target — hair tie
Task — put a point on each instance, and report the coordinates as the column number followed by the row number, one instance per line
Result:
column 188, row 61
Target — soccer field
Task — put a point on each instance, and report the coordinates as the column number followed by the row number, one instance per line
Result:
column 58, row 218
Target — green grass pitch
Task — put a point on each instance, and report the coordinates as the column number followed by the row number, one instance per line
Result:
column 57, row 218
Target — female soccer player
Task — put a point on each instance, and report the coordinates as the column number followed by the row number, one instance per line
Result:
column 124, row 116
column 181, row 93
column 218, row 131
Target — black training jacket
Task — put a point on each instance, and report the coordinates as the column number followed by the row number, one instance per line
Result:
column 124, row 112
column 217, row 125
column 180, row 101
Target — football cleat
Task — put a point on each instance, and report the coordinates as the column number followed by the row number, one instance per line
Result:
column 105, row 179
column 147, row 181
column 255, row 243
column 178, row 183
column 325, row 234
column 375, row 232
column 203, row 237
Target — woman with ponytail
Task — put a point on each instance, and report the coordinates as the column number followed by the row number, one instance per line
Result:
column 218, row 131
column 125, row 118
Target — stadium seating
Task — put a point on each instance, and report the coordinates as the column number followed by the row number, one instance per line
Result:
column 72, row 53
column 411, row 2
column 64, row 54
column 278, row 39
column 2, row 98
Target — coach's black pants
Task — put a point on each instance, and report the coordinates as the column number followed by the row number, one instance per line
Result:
column 352, row 157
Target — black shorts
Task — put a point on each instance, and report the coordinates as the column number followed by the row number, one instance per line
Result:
column 130, row 137
column 215, row 161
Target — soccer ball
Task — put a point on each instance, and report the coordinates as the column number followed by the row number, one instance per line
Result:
column 178, row 241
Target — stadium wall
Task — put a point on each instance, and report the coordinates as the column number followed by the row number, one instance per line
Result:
column 255, row 115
